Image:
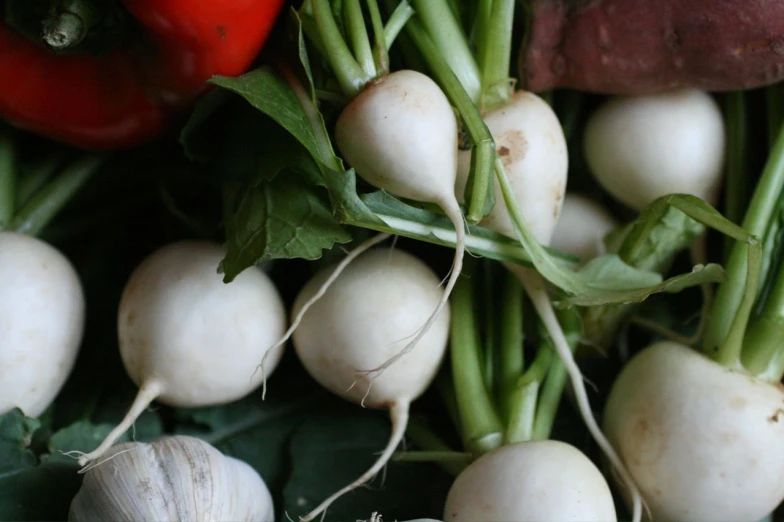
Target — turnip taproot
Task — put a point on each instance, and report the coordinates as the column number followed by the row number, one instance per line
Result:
column 42, row 309
column 582, row 226
column 640, row 148
column 188, row 339
column 703, row 442
column 379, row 301
column 543, row 480
column 399, row 133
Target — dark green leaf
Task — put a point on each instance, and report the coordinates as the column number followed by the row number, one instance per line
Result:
column 335, row 447
column 285, row 218
column 198, row 144
column 16, row 435
column 268, row 92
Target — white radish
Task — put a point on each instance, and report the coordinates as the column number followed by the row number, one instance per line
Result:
column 531, row 143
column 703, row 442
column 582, row 227
column 399, row 134
column 640, row 148
column 364, row 318
column 42, row 310
column 188, row 339
column 544, row 480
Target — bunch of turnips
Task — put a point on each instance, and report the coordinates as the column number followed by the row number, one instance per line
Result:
column 554, row 280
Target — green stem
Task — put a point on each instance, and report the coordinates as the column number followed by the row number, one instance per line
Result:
column 774, row 110
column 8, row 176
column 490, row 331
column 512, row 337
column 481, row 429
column 446, row 391
column 36, row 176
column 432, row 456
column 484, row 145
column 380, row 49
column 524, row 398
column 762, row 346
column 735, row 188
column 441, row 25
column 759, row 213
column 348, row 72
column 357, row 32
column 396, row 21
column 497, row 54
column 426, row 439
column 41, row 209
column 484, row 10
column 555, row 381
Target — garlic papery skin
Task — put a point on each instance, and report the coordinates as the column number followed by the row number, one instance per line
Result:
column 176, row 477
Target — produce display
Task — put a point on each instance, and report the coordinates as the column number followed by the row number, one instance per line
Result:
column 391, row 260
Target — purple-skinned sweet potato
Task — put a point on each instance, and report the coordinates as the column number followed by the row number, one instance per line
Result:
column 647, row 46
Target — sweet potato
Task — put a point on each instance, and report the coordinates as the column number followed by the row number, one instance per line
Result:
column 647, row 46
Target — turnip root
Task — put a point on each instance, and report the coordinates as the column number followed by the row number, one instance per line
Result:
column 703, row 442
column 188, row 339
column 533, row 148
column 530, row 142
column 399, row 134
column 640, row 148
column 363, row 319
column 41, row 322
column 539, row 480
column 634, row 47
column 582, row 227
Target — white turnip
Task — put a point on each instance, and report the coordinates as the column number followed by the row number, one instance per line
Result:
column 703, row 442
column 530, row 142
column 41, row 322
column 640, row 148
column 364, row 318
column 399, row 133
column 582, row 227
column 543, row 480
column 188, row 339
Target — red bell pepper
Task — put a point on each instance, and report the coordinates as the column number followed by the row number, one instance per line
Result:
column 133, row 93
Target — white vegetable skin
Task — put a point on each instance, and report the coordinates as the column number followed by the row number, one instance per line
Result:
column 365, row 317
column 703, row 443
column 640, row 148
column 42, row 310
column 173, row 478
column 540, row 480
column 530, row 141
column 399, row 133
column 582, row 227
column 190, row 340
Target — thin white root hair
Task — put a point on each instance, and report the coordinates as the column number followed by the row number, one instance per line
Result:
column 104, row 461
column 452, row 210
column 536, row 290
column 363, row 247
column 149, row 391
column 398, row 414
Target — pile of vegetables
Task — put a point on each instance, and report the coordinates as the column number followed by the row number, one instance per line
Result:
column 391, row 260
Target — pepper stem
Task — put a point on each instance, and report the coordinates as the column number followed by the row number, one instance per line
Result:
column 69, row 23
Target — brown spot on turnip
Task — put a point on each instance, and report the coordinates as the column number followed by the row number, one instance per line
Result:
column 512, row 147
column 503, row 151
column 775, row 416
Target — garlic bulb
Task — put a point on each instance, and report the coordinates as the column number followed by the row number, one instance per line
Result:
column 173, row 478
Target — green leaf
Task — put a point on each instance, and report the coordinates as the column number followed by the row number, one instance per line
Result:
column 285, row 218
column 268, row 92
column 333, row 448
column 16, row 436
column 701, row 274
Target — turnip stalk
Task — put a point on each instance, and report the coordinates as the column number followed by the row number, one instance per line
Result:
column 8, row 178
